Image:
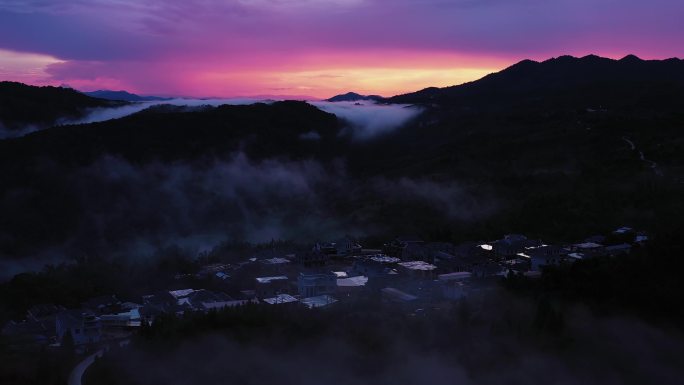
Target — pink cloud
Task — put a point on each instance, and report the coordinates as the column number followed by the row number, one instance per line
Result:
column 205, row 47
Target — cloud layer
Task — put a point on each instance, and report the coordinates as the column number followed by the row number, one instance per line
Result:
column 364, row 120
column 368, row 119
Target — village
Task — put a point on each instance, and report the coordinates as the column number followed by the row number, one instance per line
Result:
column 407, row 272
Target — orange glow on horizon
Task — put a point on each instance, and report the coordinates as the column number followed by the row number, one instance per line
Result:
column 317, row 76
column 323, row 76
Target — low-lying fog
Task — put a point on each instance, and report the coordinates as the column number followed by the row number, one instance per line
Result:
column 253, row 201
column 365, row 119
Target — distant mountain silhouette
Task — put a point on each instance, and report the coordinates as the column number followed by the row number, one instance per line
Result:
column 568, row 77
column 22, row 105
column 122, row 95
column 353, row 97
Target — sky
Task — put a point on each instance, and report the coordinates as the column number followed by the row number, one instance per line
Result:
column 314, row 48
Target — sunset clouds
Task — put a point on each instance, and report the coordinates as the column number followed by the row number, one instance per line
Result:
column 314, row 47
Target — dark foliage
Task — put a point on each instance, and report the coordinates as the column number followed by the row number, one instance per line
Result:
column 647, row 283
column 495, row 340
column 22, row 105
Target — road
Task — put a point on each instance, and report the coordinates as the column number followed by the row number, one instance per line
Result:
column 653, row 165
column 76, row 374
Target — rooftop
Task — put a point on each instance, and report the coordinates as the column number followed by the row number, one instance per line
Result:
column 397, row 294
column 270, row 279
column 319, row 301
column 454, row 276
column 275, row 261
column 622, row 246
column 181, row 293
column 623, row 230
column 382, row 258
column 280, row 298
column 587, row 245
column 223, row 304
column 576, row 255
column 352, row 281
column 418, row 265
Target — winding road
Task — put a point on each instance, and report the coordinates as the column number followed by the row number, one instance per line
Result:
column 653, row 165
column 76, row 374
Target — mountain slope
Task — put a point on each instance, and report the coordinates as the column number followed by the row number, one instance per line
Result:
column 122, row 95
column 353, row 97
column 22, row 105
column 590, row 80
column 169, row 133
column 524, row 151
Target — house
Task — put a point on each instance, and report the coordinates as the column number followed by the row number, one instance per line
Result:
column 518, row 264
column 129, row 319
column 213, row 270
column 280, row 299
column 84, row 327
column 248, row 294
column 316, row 284
column 397, row 247
column 276, row 265
column 267, row 287
column 545, row 255
column 458, row 276
column 318, row 301
column 176, row 302
column 641, row 238
column 374, row 266
column 347, row 246
column 222, row 276
column 351, row 285
column 184, row 298
column 573, row 257
column 219, row 305
column 159, row 303
column 197, row 298
column 588, row 249
column 511, row 245
column 418, row 269
column 391, row 294
column 514, row 237
column 621, row 249
column 623, row 230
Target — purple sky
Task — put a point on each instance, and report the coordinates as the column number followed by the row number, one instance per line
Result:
column 314, row 47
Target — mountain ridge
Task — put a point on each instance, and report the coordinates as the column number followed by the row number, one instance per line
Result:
column 123, row 96
column 560, row 73
column 24, row 105
column 354, row 97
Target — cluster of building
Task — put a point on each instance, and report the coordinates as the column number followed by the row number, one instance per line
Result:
column 407, row 271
